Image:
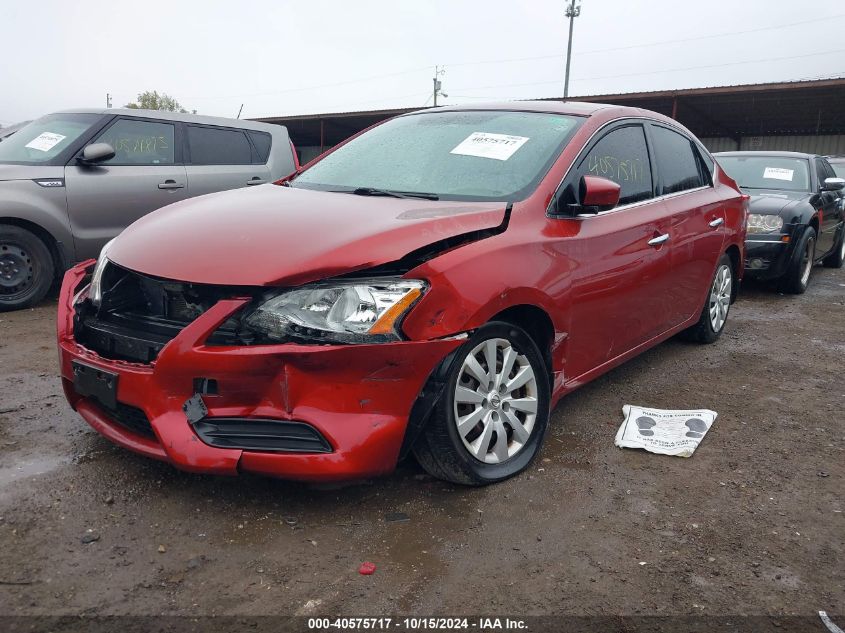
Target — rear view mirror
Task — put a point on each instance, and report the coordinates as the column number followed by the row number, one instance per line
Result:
column 597, row 194
column 96, row 153
column 833, row 184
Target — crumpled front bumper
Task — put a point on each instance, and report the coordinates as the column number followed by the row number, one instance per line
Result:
column 359, row 397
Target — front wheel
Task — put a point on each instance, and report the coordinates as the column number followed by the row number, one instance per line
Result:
column 797, row 277
column 491, row 418
column 26, row 268
column 714, row 315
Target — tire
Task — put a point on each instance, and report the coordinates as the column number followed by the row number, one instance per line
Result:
column 446, row 452
column 800, row 269
column 26, row 268
column 837, row 257
column 714, row 314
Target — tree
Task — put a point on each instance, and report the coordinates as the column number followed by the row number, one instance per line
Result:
column 152, row 100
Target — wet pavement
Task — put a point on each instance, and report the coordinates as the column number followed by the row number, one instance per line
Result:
column 751, row 524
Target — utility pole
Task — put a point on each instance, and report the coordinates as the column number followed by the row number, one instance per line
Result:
column 438, row 72
column 572, row 12
column 108, row 100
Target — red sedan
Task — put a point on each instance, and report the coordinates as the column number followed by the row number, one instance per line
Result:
column 434, row 285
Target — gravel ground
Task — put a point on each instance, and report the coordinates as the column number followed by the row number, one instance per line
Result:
column 752, row 524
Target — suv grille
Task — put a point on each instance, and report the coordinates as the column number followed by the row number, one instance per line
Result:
column 139, row 315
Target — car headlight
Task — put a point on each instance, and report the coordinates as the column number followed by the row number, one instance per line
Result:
column 355, row 311
column 759, row 223
column 95, row 290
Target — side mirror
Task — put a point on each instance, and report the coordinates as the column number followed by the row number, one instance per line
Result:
column 833, row 184
column 597, row 194
column 96, row 153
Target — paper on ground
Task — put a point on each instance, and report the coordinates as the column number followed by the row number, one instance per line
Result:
column 668, row 432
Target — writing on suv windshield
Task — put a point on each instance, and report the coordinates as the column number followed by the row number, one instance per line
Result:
column 469, row 155
column 767, row 172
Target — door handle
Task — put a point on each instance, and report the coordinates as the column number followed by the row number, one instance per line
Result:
column 717, row 222
column 660, row 239
column 170, row 184
column 255, row 180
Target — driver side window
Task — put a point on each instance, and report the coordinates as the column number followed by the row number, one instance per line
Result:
column 139, row 142
column 621, row 155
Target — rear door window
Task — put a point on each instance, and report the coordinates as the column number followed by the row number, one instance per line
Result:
column 261, row 141
column 140, row 142
column 677, row 164
column 218, row 146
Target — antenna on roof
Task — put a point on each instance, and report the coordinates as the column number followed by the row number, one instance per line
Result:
column 241, row 110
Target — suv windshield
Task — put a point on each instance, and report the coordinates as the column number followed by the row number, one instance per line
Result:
column 44, row 139
column 475, row 155
column 767, row 172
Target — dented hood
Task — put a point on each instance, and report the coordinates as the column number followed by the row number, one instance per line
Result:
column 273, row 235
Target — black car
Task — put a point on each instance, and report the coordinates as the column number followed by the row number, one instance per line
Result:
column 796, row 216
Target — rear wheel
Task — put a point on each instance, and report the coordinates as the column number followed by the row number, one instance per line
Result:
column 797, row 277
column 837, row 257
column 492, row 416
column 26, row 268
column 714, row 315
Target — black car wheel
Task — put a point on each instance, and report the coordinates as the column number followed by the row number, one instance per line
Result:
column 837, row 257
column 797, row 277
column 491, row 418
column 26, row 268
column 714, row 315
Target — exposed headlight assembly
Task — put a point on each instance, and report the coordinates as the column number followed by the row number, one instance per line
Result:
column 95, row 290
column 354, row 311
column 759, row 223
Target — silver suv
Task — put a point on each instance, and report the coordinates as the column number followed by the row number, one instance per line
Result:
column 71, row 181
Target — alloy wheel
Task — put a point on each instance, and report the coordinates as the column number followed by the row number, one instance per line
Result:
column 720, row 297
column 808, row 261
column 495, row 402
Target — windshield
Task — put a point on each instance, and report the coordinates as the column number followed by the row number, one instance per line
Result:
column 767, row 172
column 479, row 155
column 838, row 169
column 44, row 139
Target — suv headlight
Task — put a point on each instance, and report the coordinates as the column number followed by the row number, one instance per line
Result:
column 95, row 290
column 354, row 311
column 759, row 223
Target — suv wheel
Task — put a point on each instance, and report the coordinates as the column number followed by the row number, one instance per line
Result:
column 26, row 268
column 492, row 417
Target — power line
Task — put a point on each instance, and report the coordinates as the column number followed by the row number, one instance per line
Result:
column 501, row 61
column 707, row 37
column 317, row 87
column 624, row 48
column 510, row 60
column 655, row 72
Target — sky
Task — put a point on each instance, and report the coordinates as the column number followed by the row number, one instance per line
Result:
column 278, row 57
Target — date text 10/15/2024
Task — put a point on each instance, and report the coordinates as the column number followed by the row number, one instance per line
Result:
column 418, row 624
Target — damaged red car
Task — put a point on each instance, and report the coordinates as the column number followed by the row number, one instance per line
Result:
column 432, row 286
